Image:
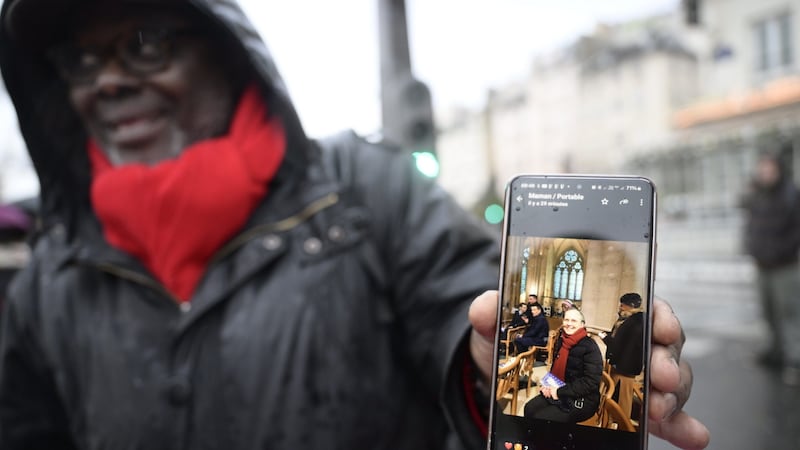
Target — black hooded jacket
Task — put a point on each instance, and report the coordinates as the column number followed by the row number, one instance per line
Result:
column 336, row 319
column 582, row 374
column 772, row 228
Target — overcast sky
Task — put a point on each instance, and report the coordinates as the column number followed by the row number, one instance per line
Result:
column 327, row 52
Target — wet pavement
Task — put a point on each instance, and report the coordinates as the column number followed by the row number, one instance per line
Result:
column 745, row 406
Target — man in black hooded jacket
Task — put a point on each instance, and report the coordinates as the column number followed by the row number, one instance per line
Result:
column 188, row 227
column 772, row 238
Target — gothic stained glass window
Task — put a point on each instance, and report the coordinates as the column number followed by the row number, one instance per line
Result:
column 568, row 276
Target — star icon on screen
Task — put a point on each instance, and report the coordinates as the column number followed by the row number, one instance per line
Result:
column 604, row 201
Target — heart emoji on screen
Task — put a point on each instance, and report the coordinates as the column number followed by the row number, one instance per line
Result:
column 509, row 445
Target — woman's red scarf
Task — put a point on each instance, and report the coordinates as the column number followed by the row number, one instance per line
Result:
column 173, row 216
column 559, row 368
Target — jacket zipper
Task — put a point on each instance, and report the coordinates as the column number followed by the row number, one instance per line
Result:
column 136, row 277
column 281, row 225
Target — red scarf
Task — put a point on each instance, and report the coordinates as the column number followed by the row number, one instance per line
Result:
column 559, row 368
column 173, row 216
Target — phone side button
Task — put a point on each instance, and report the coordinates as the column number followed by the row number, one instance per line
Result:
column 655, row 261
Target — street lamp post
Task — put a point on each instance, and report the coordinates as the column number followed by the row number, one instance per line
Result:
column 406, row 106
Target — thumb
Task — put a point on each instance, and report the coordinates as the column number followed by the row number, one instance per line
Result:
column 483, row 314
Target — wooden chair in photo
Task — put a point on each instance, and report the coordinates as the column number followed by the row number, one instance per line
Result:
column 615, row 418
column 599, row 419
column 508, row 383
column 511, row 334
column 627, row 390
column 638, row 400
column 547, row 349
column 526, row 362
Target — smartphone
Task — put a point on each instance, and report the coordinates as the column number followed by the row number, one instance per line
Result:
column 573, row 342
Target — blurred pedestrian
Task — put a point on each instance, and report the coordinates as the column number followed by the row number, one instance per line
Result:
column 772, row 238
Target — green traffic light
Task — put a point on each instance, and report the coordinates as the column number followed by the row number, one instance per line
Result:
column 427, row 163
column 493, row 214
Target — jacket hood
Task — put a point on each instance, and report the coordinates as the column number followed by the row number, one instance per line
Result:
column 53, row 133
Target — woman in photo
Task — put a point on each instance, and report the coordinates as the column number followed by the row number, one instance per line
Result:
column 578, row 364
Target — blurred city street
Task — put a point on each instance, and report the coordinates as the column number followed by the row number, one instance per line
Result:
column 745, row 406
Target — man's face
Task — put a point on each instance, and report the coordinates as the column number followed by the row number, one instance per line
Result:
column 139, row 117
column 767, row 172
column 535, row 311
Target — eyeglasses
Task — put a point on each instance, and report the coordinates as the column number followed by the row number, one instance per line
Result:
column 141, row 51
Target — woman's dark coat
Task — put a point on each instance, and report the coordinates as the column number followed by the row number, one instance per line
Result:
column 583, row 374
column 336, row 319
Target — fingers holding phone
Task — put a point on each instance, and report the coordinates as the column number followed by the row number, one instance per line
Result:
column 584, row 246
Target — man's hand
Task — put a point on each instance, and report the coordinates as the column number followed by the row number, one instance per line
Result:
column 483, row 316
column 671, row 383
column 670, row 378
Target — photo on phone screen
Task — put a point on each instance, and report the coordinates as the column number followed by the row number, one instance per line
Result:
column 575, row 314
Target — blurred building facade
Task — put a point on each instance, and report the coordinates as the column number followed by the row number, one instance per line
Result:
column 748, row 101
column 686, row 99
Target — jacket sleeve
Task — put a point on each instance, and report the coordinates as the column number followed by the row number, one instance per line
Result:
column 444, row 259
column 609, row 340
column 31, row 414
column 439, row 258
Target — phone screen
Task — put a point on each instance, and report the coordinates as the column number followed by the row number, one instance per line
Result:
column 575, row 314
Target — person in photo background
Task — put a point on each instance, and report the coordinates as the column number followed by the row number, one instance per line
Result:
column 625, row 350
column 625, row 342
column 521, row 317
column 537, row 332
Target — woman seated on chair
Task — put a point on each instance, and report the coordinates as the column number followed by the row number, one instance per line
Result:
column 578, row 362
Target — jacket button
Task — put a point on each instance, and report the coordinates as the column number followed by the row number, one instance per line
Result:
column 179, row 392
column 59, row 230
column 312, row 246
column 271, row 242
column 336, row 233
